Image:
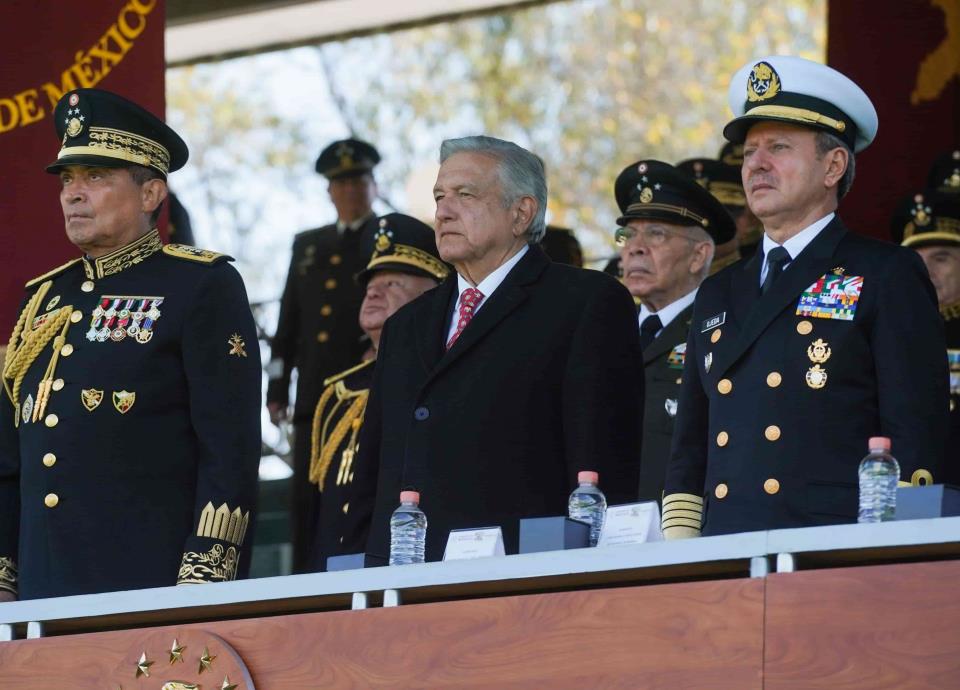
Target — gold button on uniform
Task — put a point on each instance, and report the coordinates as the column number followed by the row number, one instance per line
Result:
column 722, row 438
column 58, row 385
column 774, row 379
column 715, row 336
column 772, row 432
column 724, row 386
column 804, row 327
column 335, row 259
column 330, row 284
column 87, row 286
column 326, row 310
column 66, row 350
column 679, row 380
column 51, row 500
column 51, row 420
column 323, row 337
column 76, row 316
column 720, row 491
column 771, row 486
column 49, row 459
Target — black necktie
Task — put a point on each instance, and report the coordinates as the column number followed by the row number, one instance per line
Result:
column 648, row 330
column 776, row 258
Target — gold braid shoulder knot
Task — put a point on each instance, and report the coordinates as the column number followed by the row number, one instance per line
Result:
column 323, row 449
column 26, row 345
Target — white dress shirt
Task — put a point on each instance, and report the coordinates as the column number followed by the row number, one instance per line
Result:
column 487, row 286
column 342, row 226
column 795, row 244
column 669, row 312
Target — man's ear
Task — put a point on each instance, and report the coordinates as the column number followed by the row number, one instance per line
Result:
column 152, row 194
column 836, row 162
column 526, row 210
column 698, row 259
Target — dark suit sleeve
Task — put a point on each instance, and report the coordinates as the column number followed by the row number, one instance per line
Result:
column 908, row 347
column 283, row 346
column 224, row 389
column 686, row 470
column 603, row 394
column 367, row 466
column 9, row 495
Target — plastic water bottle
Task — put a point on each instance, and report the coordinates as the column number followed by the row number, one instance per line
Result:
column 408, row 530
column 879, row 474
column 588, row 504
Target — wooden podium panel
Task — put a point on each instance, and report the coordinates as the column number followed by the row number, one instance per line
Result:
column 877, row 627
column 688, row 635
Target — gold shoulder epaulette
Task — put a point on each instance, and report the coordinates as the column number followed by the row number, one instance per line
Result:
column 50, row 274
column 202, row 256
column 344, row 374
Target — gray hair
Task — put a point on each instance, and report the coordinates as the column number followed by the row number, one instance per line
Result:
column 827, row 142
column 521, row 174
column 141, row 175
column 696, row 234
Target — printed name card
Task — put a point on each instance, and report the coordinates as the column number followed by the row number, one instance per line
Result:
column 632, row 523
column 464, row 544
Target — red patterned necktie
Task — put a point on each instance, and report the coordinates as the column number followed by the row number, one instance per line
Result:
column 469, row 300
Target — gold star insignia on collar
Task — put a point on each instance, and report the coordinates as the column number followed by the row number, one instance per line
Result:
column 176, row 652
column 227, row 685
column 143, row 666
column 237, row 345
column 206, row 661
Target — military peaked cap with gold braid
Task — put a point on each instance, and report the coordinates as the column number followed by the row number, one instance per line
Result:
column 403, row 243
column 721, row 180
column 655, row 190
column 800, row 92
column 347, row 158
column 927, row 218
column 945, row 173
column 99, row 128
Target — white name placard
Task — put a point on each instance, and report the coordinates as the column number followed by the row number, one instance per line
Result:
column 463, row 544
column 632, row 523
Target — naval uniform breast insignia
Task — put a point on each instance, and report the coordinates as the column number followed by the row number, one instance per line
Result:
column 819, row 351
column 91, row 398
column 123, row 401
column 677, row 356
column 832, row 296
column 816, row 377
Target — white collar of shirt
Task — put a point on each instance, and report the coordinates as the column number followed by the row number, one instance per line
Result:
column 669, row 312
column 487, row 286
column 355, row 225
column 795, row 244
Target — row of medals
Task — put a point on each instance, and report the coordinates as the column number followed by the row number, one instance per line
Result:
column 129, row 323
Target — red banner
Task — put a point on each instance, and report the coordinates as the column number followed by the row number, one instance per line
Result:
column 50, row 47
column 906, row 56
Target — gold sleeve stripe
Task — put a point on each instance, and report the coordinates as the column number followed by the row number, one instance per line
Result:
column 222, row 524
column 691, row 498
column 683, row 514
column 679, row 532
column 674, row 522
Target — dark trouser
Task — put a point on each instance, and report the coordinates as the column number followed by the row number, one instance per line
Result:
column 304, row 496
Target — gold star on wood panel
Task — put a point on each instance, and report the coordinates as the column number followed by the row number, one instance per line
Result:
column 176, row 652
column 227, row 685
column 143, row 666
column 206, row 661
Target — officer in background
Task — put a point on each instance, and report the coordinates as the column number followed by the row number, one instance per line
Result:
column 723, row 182
column 404, row 265
column 317, row 332
column 944, row 174
column 798, row 354
column 749, row 229
column 129, row 424
column 929, row 222
column 562, row 246
column 668, row 231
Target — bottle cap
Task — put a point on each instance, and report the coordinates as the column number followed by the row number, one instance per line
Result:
column 879, row 443
column 410, row 497
column 588, row 476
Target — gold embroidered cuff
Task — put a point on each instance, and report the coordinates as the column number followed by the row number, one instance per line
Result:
column 216, row 565
column 679, row 532
column 682, row 516
column 8, row 574
column 220, row 523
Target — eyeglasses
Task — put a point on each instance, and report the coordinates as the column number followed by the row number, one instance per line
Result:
column 653, row 235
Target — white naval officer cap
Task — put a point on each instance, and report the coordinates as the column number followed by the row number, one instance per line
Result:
column 801, row 92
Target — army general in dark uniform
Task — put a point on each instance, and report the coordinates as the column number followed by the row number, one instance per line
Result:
column 404, row 265
column 317, row 332
column 820, row 340
column 129, row 425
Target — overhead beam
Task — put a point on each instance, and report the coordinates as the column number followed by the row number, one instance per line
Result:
column 217, row 37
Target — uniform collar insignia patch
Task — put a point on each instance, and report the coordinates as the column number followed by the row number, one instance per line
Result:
column 713, row 322
column 91, row 398
column 123, row 401
column 117, row 317
column 707, row 362
column 677, row 356
column 831, row 297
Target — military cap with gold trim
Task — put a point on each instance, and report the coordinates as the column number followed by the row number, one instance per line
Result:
column 403, row 243
column 945, row 173
column 731, row 154
column 927, row 218
column 652, row 189
column 800, row 92
column 100, row 128
column 721, row 180
column 347, row 158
